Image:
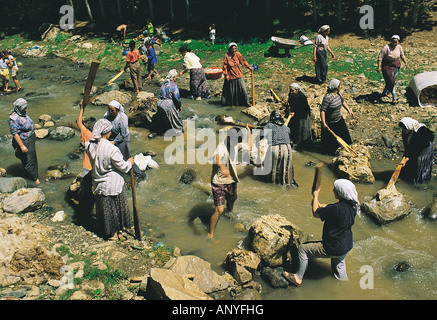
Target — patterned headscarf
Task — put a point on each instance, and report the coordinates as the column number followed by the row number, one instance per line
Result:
column 20, row 106
column 411, row 124
column 101, row 127
column 346, row 190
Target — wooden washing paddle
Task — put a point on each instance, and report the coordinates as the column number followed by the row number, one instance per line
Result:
column 317, row 177
column 89, row 81
column 395, row 175
column 342, row 142
column 116, row 77
column 138, row 235
column 280, row 101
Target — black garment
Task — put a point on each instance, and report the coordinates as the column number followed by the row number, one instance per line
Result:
column 420, row 151
column 300, row 124
column 329, row 143
column 29, row 159
column 321, row 66
column 337, row 238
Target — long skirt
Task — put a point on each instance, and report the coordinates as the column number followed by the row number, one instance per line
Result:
column 234, row 93
column 389, row 72
column 321, row 66
column 418, row 169
column 112, row 214
column 167, row 119
column 278, row 160
column 198, row 84
column 301, row 131
column 29, row 159
column 329, row 143
column 135, row 74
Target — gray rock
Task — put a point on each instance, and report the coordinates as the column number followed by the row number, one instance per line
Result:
column 386, row 206
column 24, row 200
column 105, row 98
column 274, row 277
column 9, row 185
column 61, row 133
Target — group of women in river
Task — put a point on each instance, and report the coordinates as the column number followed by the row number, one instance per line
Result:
column 108, row 158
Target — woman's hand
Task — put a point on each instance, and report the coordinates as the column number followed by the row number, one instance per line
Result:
column 225, row 171
column 131, row 160
column 378, row 69
column 24, row 149
column 404, row 161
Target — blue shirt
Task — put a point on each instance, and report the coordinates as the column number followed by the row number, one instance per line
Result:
column 120, row 128
column 21, row 125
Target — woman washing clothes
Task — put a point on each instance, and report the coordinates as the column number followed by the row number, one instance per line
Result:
column 167, row 119
column 24, row 138
column 419, row 151
column 112, row 207
column 300, row 123
column 278, row 162
column 198, row 84
column 120, row 135
column 330, row 114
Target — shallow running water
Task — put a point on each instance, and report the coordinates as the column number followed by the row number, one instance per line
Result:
column 166, row 206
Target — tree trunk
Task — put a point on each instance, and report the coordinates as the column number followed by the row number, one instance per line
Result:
column 315, row 12
column 339, row 13
column 89, row 10
column 171, row 11
column 151, row 15
column 119, row 10
column 390, row 13
column 415, row 12
column 102, row 9
column 187, row 9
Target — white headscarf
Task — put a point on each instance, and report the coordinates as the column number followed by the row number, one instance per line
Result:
column 117, row 105
column 296, row 86
column 324, row 28
column 411, row 124
column 333, row 84
column 346, row 190
column 232, row 44
column 395, row 36
column 171, row 75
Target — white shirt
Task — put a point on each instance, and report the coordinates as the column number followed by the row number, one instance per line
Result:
column 108, row 166
column 191, row 61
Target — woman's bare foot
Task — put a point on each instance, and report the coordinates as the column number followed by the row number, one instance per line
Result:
column 292, row 278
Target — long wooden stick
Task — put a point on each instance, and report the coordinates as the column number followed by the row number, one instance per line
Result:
column 89, row 81
column 116, row 77
column 280, row 101
column 253, row 89
column 395, row 175
column 343, row 143
column 317, row 177
column 138, row 235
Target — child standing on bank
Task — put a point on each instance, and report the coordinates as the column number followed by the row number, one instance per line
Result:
column 12, row 63
column 151, row 60
column 212, row 33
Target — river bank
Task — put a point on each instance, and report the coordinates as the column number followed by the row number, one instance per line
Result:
column 375, row 124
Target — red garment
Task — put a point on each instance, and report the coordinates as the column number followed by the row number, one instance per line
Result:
column 133, row 56
column 231, row 66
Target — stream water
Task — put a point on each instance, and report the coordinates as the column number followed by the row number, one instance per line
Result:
column 165, row 205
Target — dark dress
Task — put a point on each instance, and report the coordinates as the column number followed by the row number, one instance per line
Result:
column 300, row 124
column 419, row 148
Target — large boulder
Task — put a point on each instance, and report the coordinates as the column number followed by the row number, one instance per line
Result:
column 203, row 276
column 142, row 110
column 61, row 133
column 105, row 98
column 273, row 237
column 9, row 185
column 354, row 168
column 24, row 200
column 242, row 264
column 386, row 205
column 165, row 284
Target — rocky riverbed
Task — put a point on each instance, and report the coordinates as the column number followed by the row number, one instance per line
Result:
column 40, row 255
